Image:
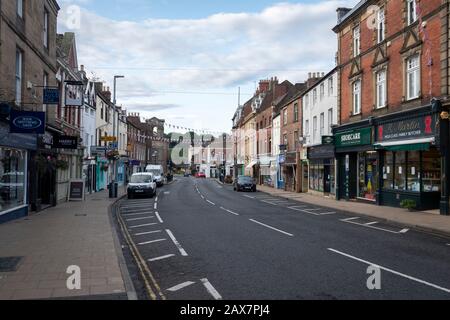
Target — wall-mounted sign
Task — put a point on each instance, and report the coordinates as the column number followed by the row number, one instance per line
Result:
column 408, row 129
column 321, row 152
column 76, row 190
column 65, row 142
column 97, row 151
column 74, row 93
column 328, row 140
column 108, row 139
column 27, row 122
column 357, row 137
column 51, row 96
column 46, row 141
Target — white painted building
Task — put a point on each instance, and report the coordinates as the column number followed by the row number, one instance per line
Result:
column 320, row 113
column 276, row 139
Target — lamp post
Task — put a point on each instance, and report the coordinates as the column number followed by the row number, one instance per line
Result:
column 115, row 134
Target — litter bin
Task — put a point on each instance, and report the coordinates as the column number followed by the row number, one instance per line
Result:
column 113, row 189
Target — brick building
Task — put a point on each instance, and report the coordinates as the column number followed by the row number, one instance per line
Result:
column 393, row 60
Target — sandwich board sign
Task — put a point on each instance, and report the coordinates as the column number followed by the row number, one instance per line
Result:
column 76, row 190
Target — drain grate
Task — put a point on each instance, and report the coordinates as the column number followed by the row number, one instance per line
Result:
column 9, row 264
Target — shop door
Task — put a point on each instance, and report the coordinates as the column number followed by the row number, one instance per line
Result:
column 305, row 177
column 327, row 180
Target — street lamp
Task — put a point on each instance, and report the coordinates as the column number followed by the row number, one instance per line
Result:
column 116, row 134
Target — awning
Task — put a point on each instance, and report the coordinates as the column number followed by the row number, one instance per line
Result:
column 252, row 164
column 407, row 145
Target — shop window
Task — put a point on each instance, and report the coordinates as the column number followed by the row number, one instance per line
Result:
column 388, row 170
column 414, row 171
column 431, row 171
column 400, row 171
column 368, row 175
column 12, row 178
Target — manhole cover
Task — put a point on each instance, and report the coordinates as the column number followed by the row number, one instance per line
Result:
column 9, row 264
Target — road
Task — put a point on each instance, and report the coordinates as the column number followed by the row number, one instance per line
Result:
column 199, row 240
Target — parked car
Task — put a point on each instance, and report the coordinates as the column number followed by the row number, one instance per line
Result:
column 158, row 173
column 142, row 184
column 201, row 175
column 245, row 183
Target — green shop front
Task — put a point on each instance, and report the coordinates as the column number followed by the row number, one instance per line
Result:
column 410, row 159
column 357, row 162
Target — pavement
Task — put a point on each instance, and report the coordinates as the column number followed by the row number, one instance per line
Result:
column 71, row 234
column 200, row 240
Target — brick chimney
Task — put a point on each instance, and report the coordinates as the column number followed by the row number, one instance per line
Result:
column 107, row 93
column 314, row 78
column 264, row 86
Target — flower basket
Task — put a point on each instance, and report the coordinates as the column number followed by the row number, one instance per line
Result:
column 62, row 164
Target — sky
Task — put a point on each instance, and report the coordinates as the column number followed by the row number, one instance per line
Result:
column 184, row 60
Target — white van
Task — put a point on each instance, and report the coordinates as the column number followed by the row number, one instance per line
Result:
column 158, row 173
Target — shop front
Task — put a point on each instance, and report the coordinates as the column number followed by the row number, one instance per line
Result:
column 289, row 168
column 410, row 161
column 321, row 164
column 356, row 162
column 15, row 153
column 265, row 172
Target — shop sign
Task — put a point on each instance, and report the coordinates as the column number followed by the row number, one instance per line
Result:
column 51, row 96
column 46, row 141
column 327, row 140
column 108, row 139
column 282, row 159
column 351, row 138
column 27, row 122
column 408, row 129
column 291, row 158
column 76, row 190
column 23, row 141
column 74, row 93
column 321, row 152
column 135, row 163
column 97, row 151
column 66, row 142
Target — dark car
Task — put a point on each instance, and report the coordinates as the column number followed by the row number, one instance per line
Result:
column 245, row 183
column 141, row 184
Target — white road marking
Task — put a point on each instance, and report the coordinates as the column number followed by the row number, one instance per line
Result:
column 309, row 211
column 136, row 214
column 181, row 286
column 167, row 192
column 143, row 225
column 211, row 289
column 149, row 232
column 229, row 211
column 135, row 207
column 274, row 204
column 162, row 258
column 177, row 244
column 159, row 218
column 202, row 197
column 350, row 219
column 150, row 242
column 448, row 244
column 137, row 219
column 313, row 209
column 156, row 206
column 371, row 223
column 391, row 271
column 211, row 202
column 249, row 196
column 372, row 227
column 156, row 199
column 270, row 227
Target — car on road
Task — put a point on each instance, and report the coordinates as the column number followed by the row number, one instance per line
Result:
column 142, row 184
column 245, row 183
column 201, row 175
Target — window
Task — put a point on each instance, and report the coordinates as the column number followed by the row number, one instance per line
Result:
column 330, row 86
column 314, row 97
column 356, row 41
column 296, row 139
column 101, row 111
column 381, row 25
column 285, row 117
column 314, row 129
column 322, row 124
column 20, row 8
column 330, row 120
column 285, row 141
column 46, row 28
column 413, row 173
column 381, row 89
column 45, row 84
column 295, row 112
column 412, row 11
column 322, row 91
column 357, row 97
column 307, row 128
column 13, row 178
column 413, row 77
column 19, row 67
column 307, row 101
column 388, row 170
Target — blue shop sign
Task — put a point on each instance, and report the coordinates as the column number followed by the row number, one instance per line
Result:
column 51, row 96
column 27, row 122
column 14, row 140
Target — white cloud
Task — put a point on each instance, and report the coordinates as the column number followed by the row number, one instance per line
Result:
column 221, row 51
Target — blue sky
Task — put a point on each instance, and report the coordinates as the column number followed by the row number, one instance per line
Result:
column 184, row 60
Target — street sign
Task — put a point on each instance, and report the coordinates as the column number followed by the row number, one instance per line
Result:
column 108, row 139
column 97, row 151
column 27, row 122
column 51, row 96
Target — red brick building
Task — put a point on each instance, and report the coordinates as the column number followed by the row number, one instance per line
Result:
column 393, row 60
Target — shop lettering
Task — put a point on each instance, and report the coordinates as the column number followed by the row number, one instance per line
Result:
column 406, row 129
column 351, row 137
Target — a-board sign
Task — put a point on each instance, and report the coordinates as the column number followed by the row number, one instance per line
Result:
column 76, row 190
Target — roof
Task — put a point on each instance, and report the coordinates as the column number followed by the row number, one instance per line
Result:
column 350, row 14
column 325, row 77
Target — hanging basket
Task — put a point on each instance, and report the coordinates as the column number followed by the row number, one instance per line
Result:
column 62, row 164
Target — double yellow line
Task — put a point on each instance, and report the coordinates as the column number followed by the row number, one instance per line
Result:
column 145, row 272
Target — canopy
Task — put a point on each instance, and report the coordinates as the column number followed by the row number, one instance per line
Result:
column 407, row 145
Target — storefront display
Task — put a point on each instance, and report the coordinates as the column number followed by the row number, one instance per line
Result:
column 13, row 178
column 322, row 169
column 367, row 175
